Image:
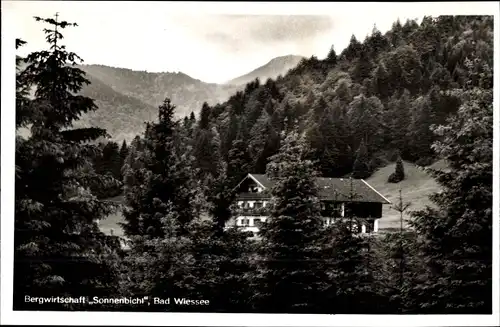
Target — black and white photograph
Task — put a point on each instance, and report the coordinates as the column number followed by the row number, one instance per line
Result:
column 250, row 163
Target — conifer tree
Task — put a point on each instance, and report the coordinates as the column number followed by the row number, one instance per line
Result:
column 264, row 142
column 361, row 167
column 123, row 156
column 420, row 132
column 292, row 275
column 350, row 282
column 329, row 142
column 331, row 58
column 111, row 160
column 204, row 120
column 399, row 174
column 59, row 249
column 23, row 113
column 238, row 162
column 398, row 121
column 402, row 265
column 364, row 118
column 457, row 235
column 164, row 184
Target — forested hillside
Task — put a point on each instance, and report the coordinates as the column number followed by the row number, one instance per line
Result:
column 121, row 115
column 360, row 107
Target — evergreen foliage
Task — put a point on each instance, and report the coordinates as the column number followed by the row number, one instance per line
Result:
column 457, row 235
column 163, row 180
column 292, row 276
column 399, row 174
column 361, row 168
column 59, row 250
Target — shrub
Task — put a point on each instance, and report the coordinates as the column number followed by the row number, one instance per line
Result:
column 399, row 174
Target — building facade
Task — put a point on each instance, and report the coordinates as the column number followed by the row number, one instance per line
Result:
column 341, row 198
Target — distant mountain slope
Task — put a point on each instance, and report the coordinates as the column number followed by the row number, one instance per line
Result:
column 121, row 115
column 274, row 68
column 187, row 93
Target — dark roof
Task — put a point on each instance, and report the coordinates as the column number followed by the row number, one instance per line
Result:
column 337, row 189
column 264, row 180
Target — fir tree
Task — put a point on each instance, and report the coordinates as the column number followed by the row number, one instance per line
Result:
column 59, row 249
column 361, row 167
column 111, row 160
column 238, row 162
column 350, row 287
column 24, row 114
column 364, row 118
column 331, row 58
column 420, row 132
column 399, row 174
column 329, row 141
column 398, row 121
column 123, row 156
column 292, row 275
column 457, row 235
column 165, row 182
column 204, row 120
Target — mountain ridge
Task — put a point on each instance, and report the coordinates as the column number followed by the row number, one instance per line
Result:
column 272, row 69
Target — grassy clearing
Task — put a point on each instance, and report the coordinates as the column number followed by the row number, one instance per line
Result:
column 416, row 188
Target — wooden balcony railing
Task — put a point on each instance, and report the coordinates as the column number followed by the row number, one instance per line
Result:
column 263, row 211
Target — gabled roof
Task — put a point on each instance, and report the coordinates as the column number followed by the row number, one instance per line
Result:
column 335, row 189
column 262, row 179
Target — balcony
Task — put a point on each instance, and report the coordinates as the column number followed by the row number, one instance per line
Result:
column 252, row 196
column 263, row 211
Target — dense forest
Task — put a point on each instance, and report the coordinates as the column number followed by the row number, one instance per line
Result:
column 420, row 92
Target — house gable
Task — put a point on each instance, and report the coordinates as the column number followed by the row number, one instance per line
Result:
column 329, row 189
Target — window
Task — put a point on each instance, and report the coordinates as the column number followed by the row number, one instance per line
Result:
column 258, row 205
column 245, row 222
column 337, row 209
column 257, row 222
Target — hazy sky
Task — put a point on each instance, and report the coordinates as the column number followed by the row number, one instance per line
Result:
column 213, row 42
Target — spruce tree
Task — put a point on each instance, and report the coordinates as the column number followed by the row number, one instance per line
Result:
column 238, row 162
column 420, row 132
column 361, row 167
column 331, row 58
column 350, row 281
column 59, row 249
column 401, row 265
column 292, row 275
column 329, row 142
column 24, row 114
column 365, row 121
column 399, row 174
column 398, row 120
column 164, row 181
column 457, row 235
column 123, row 155
column 204, row 120
column 263, row 143
column 111, row 160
